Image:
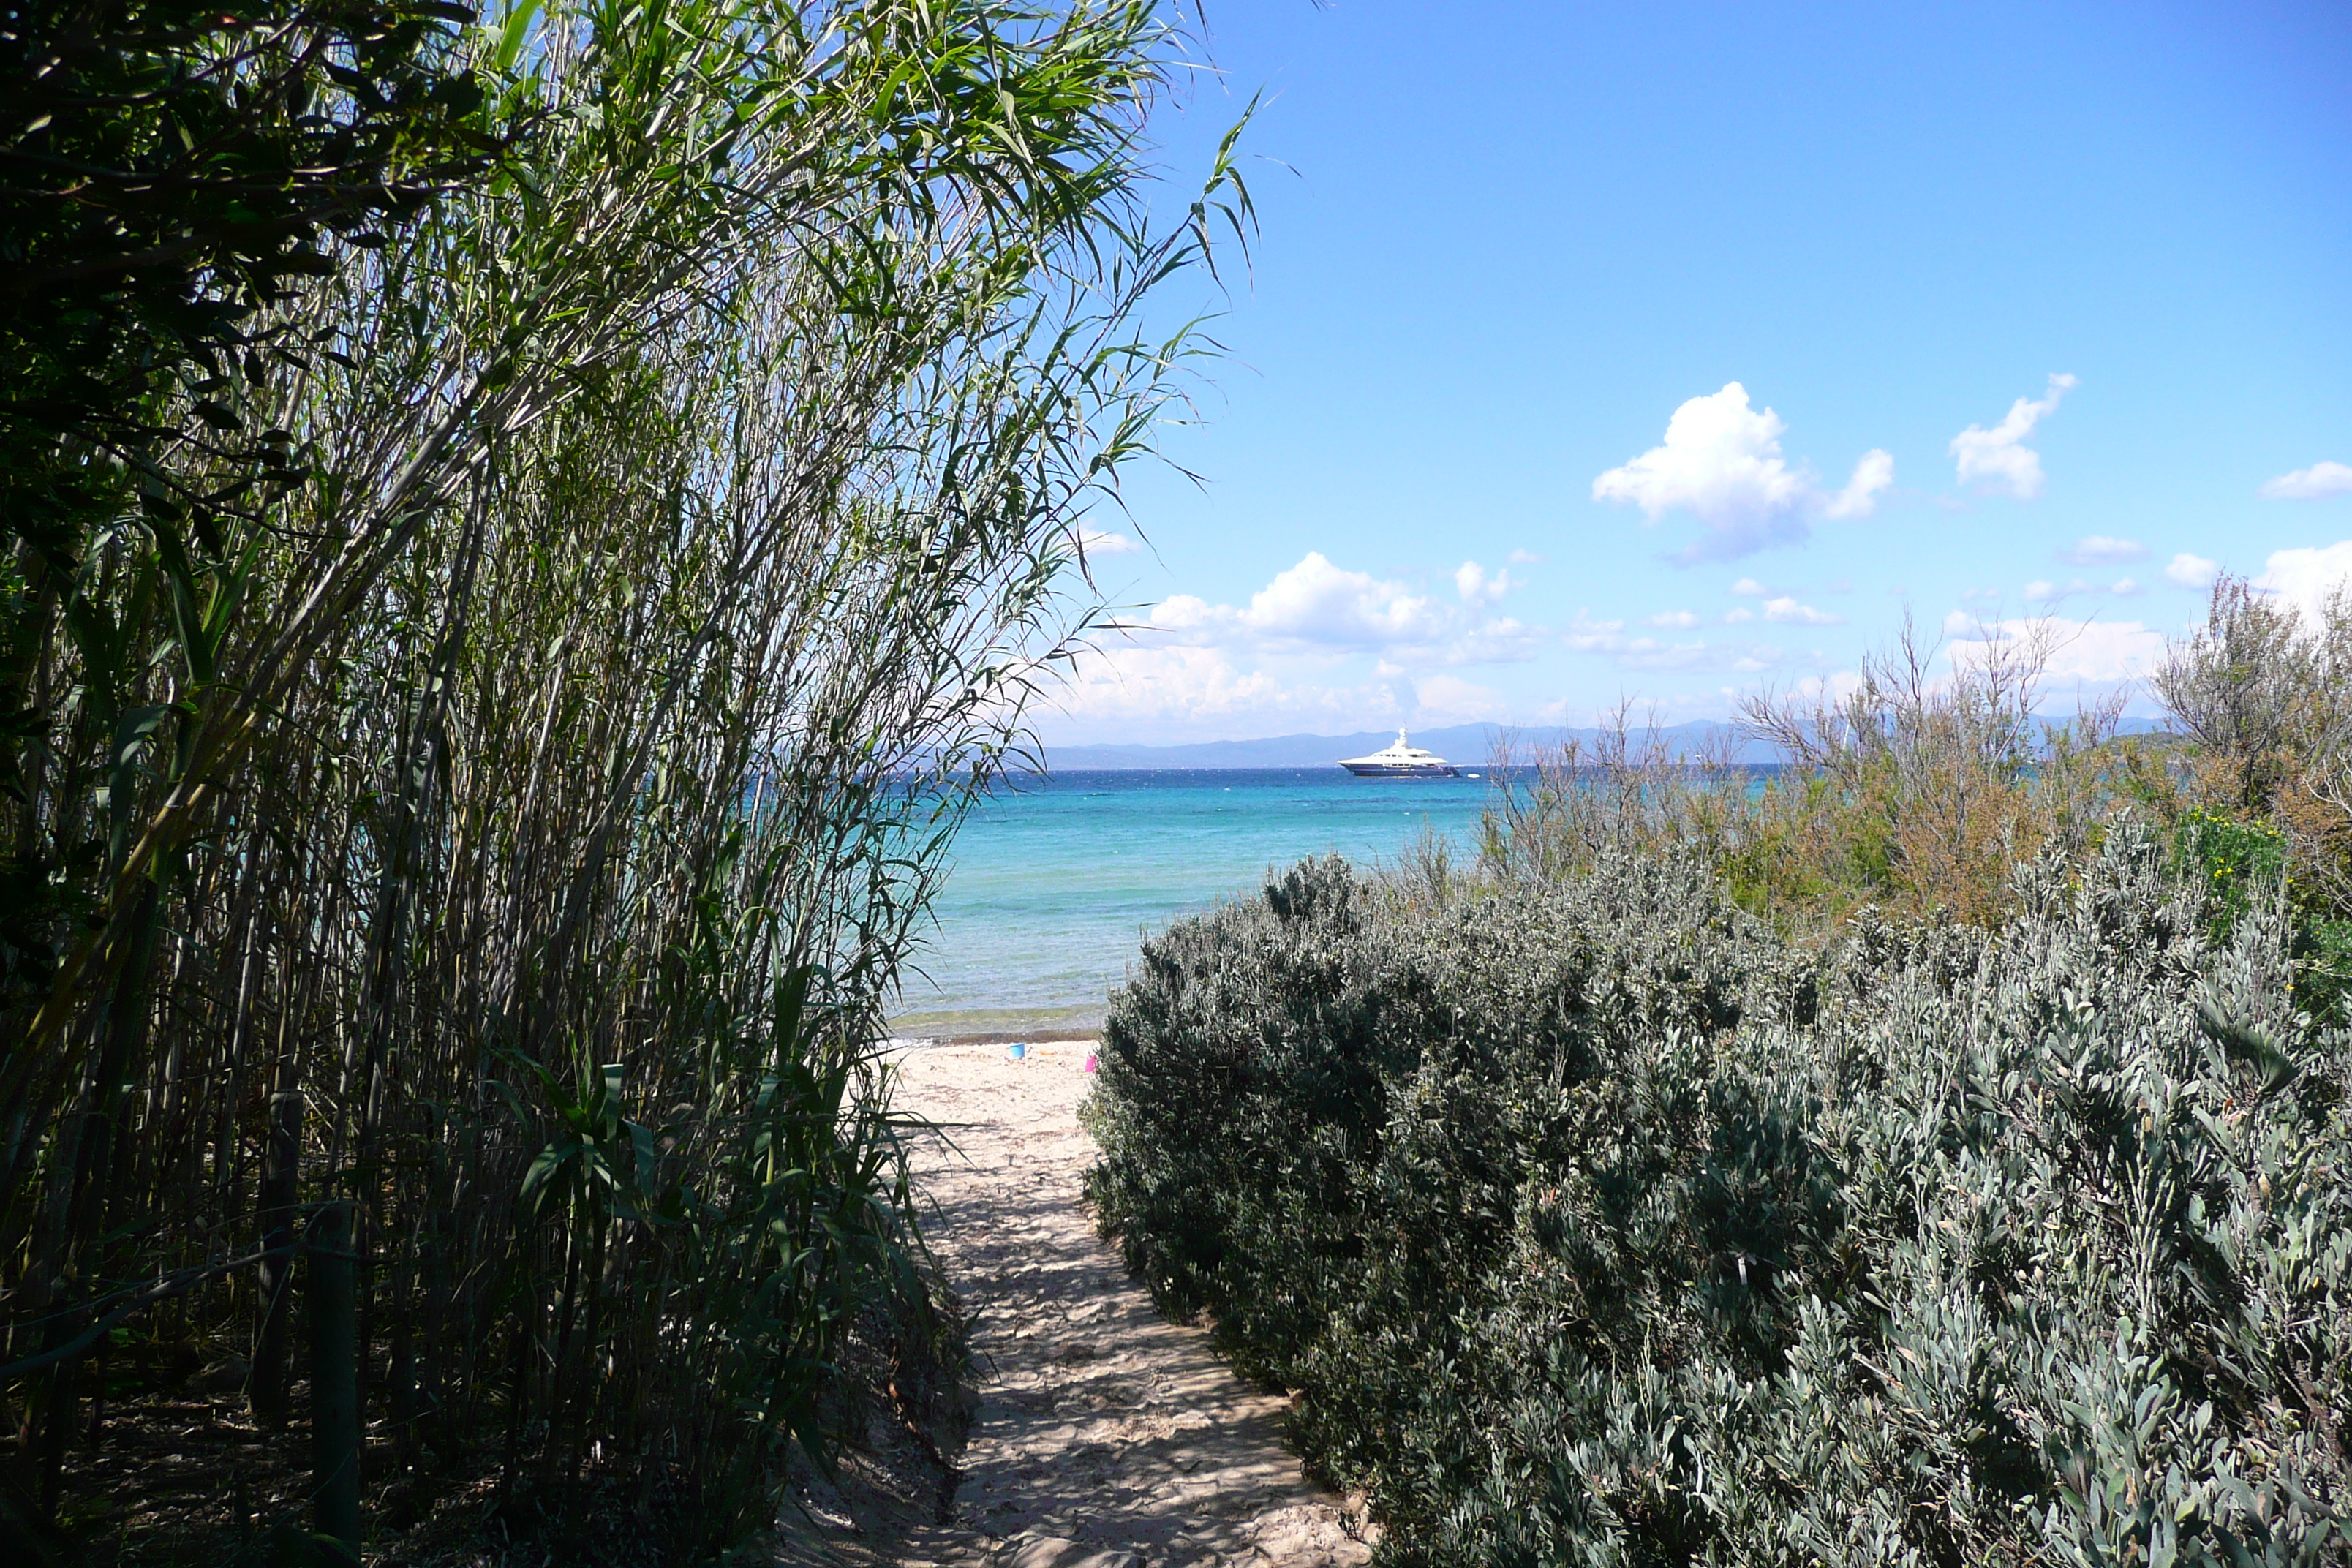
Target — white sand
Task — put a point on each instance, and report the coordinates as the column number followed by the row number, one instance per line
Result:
column 1105, row 1436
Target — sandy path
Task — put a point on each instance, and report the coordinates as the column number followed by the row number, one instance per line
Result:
column 1105, row 1436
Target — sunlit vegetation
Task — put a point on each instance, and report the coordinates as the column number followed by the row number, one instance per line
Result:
column 1939, row 1153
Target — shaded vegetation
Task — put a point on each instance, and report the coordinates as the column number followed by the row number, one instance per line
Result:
column 524, row 535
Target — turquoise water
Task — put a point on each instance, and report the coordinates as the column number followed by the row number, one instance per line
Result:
column 1056, row 885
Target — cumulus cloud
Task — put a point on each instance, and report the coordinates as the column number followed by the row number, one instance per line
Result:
column 1318, row 607
column 1677, row 620
column 1872, row 479
column 1524, row 558
column 1736, row 614
column 1751, row 588
column 1316, row 602
column 2125, row 587
column 2314, row 483
column 2038, row 590
column 1155, row 683
column 2098, row 550
column 2308, row 578
column 2192, row 570
column 1788, row 612
column 1998, row 458
column 1470, row 581
column 1721, row 461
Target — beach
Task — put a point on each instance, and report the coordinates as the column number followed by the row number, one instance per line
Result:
column 1102, row 1435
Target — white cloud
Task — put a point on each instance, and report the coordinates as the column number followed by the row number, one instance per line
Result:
column 1677, row 620
column 1183, row 613
column 1156, row 694
column 1750, row 587
column 2314, row 483
column 1736, row 614
column 2308, row 578
column 2098, row 550
column 2082, row 652
column 1721, row 461
column 1787, row 611
column 1999, row 458
column 1316, row 602
column 1524, row 558
column 1470, row 580
column 1318, row 608
column 1101, row 541
column 2037, row 591
column 2126, row 587
column 1872, row 477
column 2192, row 570
column 1162, row 683
column 1586, row 635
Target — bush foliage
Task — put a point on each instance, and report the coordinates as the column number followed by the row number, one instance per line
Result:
column 1593, row 1221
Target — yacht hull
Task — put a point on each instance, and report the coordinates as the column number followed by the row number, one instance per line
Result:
column 1402, row 770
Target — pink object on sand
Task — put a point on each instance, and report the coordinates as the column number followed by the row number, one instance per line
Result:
column 1090, row 1063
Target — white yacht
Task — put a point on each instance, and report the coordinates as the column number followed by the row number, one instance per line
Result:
column 1401, row 761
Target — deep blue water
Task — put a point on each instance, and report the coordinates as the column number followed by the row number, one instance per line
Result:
column 1056, row 882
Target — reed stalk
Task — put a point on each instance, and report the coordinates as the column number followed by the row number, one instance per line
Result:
column 512, row 834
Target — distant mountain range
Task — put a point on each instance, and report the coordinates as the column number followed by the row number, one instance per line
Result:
column 1465, row 745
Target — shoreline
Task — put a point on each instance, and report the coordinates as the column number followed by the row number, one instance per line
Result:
column 1056, row 1036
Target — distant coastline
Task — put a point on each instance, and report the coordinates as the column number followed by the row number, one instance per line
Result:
column 1470, row 746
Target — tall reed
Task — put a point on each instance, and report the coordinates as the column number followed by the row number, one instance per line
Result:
column 516, row 828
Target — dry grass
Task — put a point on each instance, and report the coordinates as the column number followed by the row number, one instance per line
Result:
column 1912, row 792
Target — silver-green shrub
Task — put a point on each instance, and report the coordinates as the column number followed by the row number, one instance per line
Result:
column 1600, row 1225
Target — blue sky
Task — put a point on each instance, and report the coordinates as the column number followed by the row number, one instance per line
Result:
column 1670, row 351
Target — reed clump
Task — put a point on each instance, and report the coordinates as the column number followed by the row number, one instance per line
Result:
column 499, row 834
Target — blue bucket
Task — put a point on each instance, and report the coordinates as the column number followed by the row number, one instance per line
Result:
column 1016, row 1050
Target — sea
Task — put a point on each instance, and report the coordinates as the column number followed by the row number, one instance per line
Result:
column 1057, row 880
